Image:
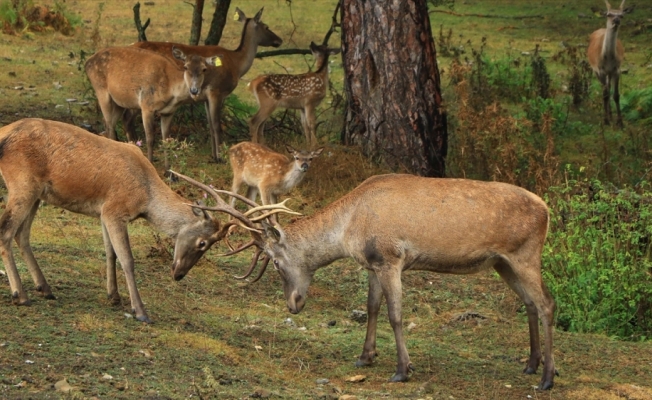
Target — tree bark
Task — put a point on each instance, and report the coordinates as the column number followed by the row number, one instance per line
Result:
column 218, row 22
column 392, row 82
column 195, row 28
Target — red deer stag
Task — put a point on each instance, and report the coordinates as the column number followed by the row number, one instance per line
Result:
column 605, row 53
column 303, row 92
column 71, row 168
column 233, row 64
column 393, row 223
column 126, row 78
column 266, row 171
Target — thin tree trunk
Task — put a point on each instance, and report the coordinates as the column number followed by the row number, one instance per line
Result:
column 393, row 86
column 218, row 22
column 195, row 29
column 139, row 26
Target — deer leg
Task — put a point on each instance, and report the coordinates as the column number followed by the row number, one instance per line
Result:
column 616, row 81
column 257, row 122
column 119, row 237
column 128, row 124
column 22, row 239
column 148, row 124
column 605, row 100
column 389, row 277
column 526, row 281
column 111, row 279
column 311, row 136
column 215, row 118
column 16, row 212
column 166, row 121
column 252, row 192
column 373, row 308
column 111, row 112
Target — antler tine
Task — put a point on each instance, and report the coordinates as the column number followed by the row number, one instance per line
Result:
column 262, row 270
column 239, row 249
column 223, row 206
column 270, row 213
column 252, row 266
column 622, row 4
column 244, row 199
column 281, row 206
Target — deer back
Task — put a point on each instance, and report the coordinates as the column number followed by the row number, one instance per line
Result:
column 258, row 165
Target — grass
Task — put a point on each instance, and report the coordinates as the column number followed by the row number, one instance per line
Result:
column 214, row 337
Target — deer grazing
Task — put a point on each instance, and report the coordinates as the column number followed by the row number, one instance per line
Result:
column 71, row 168
column 303, row 92
column 126, row 78
column 232, row 65
column 266, row 171
column 392, row 223
column 605, row 53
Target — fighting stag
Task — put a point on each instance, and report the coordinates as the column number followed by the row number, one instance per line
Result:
column 68, row 167
column 606, row 53
column 392, row 223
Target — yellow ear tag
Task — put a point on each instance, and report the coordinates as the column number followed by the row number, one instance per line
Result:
column 218, row 62
column 236, row 16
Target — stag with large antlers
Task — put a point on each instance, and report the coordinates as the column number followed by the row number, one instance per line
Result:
column 232, row 64
column 606, row 54
column 71, row 168
column 392, row 223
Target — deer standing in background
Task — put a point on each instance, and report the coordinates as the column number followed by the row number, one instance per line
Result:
column 233, row 64
column 126, row 78
column 71, row 168
column 394, row 223
column 266, row 171
column 605, row 53
column 303, row 92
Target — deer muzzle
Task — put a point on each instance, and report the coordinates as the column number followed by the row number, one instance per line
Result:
column 296, row 302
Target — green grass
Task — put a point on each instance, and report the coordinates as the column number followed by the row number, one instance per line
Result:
column 215, row 337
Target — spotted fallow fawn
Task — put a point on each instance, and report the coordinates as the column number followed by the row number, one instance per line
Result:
column 266, row 171
column 303, row 92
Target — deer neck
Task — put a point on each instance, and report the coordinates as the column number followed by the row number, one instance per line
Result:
column 293, row 176
column 243, row 57
column 321, row 69
column 319, row 239
column 609, row 43
column 167, row 211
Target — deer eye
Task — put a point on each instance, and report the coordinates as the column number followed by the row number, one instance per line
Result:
column 202, row 244
column 276, row 265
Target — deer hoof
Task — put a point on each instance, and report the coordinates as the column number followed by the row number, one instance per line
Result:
column 546, row 385
column 144, row 318
column 529, row 370
column 49, row 296
column 363, row 363
column 114, row 299
column 399, row 378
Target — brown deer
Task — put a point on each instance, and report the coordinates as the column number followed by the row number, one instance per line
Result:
column 392, row 223
column 126, row 78
column 605, row 53
column 71, row 168
column 233, row 64
column 266, row 171
column 303, row 92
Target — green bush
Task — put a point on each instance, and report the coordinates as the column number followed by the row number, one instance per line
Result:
column 597, row 259
column 637, row 105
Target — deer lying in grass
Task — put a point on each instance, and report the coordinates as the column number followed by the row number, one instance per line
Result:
column 606, row 53
column 392, row 223
column 266, row 171
column 233, row 64
column 303, row 92
column 71, row 168
column 127, row 78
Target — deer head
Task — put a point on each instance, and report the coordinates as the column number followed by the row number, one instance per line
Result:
column 194, row 68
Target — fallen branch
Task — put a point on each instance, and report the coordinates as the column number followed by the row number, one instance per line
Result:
column 487, row 15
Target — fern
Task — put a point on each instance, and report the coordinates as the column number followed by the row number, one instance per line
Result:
column 637, row 105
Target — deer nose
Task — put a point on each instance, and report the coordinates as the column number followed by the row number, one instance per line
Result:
column 304, row 167
column 194, row 91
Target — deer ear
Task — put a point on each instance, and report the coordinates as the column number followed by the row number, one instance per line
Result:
column 289, row 149
column 334, row 51
column 317, row 152
column 628, row 10
column 199, row 211
column 178, row 54
column 259, row 14
column 239, row 15
column 313, row 46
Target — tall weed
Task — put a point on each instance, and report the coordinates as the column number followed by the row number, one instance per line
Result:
column 597, row 259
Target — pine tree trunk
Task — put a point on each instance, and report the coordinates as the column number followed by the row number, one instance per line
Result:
column 393, row 86
column 218, row 22
column 195, row 28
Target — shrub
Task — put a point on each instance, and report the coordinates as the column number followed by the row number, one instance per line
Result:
column 637, row 105
column 597, row 259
